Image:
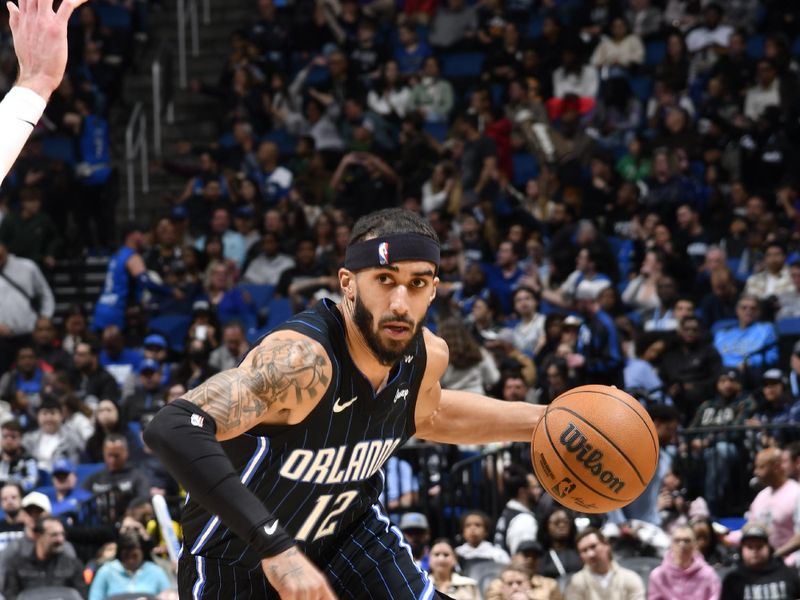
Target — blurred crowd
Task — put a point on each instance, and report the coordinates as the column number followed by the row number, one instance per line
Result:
column 612, row 184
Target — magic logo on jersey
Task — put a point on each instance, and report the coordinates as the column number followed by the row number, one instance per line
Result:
column 343, row 464
column 383, row 253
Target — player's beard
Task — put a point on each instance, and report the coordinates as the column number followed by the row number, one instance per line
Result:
column 386, row 355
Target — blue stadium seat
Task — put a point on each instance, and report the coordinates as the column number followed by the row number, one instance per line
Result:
column 525, row 167
column 654, row 53
column 642, row 87
column 114, row 17
column 173, row 327
column 436, row 130
column 286, row 142
column 83, row 470
column 280, row 309
column 227, row 140
column 462, row 65
column 535, row 27
column 59, row 147
column 755, row 46
column 788, row 327
column 317, row 76
column 261, row 294
column 796, row 46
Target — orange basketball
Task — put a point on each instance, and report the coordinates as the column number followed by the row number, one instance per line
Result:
column 595, row 449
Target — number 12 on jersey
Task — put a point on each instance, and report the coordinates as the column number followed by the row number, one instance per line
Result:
column 337, row 504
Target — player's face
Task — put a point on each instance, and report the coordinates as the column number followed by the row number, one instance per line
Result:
column 390, row 306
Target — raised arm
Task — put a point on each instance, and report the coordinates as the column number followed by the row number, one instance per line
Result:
column 280, row 382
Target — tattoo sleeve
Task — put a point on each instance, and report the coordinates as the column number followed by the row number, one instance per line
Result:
column 279, row 372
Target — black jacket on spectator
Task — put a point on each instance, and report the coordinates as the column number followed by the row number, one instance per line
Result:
column 118, row 489
column 26, row 572
column 698, row 365
column 776, row 582
column 99, row 384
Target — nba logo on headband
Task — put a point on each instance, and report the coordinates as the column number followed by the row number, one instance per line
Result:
column 383, row 253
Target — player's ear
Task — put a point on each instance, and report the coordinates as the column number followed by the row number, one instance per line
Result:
column 347, row 280
column 433, row 293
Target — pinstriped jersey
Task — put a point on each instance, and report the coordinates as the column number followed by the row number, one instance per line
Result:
column 320, row 475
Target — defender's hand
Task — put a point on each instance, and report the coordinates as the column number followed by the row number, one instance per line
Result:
column 40, row 42
column 293, row 576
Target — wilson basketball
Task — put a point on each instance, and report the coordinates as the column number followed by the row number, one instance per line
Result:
column 595, row 449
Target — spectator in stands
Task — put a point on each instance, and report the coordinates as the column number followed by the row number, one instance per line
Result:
column 442, row 569
column 774, row 279
column 598, row 355
column 47, row 565
column 587, row 268
column 684, row 572
column 721, row 451
column 777, row 505
column 390, row 97
column 48, row 347
column 517, row 521
column 529, row 332
column 92, row 382
column 75, row 328
column 307, row 277
column 476, row 526
column 148, row 395
column 125, row 278
column 708, row 542
column 266, row 266
column 760, row 573
column 22, row 386
column 119, row 481
column 16, row 465
column 766, row 92
column 640, row 293
column 720, row 303
column 66, row 499
column 106, row 421
column 557, row 535
column 689, row 366
column 24, row 295
column 12, row 526
column 194, row 368
column 233, row 347
column 748, row 343
column 791, row 460
column 471, row 367
column 411, row 52
column 417, row 534
column 229, row 302
column 618, row 51
column 514, row 583
column 274, row 181
column 788, row 302
column 130, row 572
column 29, row 232
column 775, row 406
column 454, row 26
column 432, row 95
column 713, row 35
column 122, row 362
column 233, row 246
column 51, row 440
column 601, row 576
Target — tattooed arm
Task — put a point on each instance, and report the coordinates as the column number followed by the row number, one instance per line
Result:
column 280, row 382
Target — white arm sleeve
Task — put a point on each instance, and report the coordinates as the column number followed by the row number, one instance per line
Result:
column 20, row 110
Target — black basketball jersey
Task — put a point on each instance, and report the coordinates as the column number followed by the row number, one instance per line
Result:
column 319, row 476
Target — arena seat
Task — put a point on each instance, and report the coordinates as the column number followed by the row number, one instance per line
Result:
column 462, row 65
column 525, row 167
column 436, row 130
column 654, row 53
column 113, row 16
column 59, row 147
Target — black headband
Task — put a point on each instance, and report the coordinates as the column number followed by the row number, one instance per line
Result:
column 387, row 249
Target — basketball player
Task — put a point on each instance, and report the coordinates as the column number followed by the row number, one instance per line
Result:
column 40, row 41
column 281, row 456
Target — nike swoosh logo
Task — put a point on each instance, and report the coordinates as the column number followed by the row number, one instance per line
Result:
column 338, row 406
column 272, row 528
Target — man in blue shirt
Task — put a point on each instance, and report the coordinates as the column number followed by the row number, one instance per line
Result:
column 741, row 346
column 502, row 277
column 598, row 355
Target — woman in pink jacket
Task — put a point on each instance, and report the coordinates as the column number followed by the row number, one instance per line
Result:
column 684, row 574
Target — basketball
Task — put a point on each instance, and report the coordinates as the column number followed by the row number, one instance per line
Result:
column 595, row 449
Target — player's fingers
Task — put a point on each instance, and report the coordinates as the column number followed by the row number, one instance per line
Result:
column 23, row 6
column 66, row 8
column 13, row 16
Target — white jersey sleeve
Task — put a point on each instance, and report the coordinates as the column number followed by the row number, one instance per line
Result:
column 20, row 110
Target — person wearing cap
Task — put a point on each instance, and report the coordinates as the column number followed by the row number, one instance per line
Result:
column 148, row 396
column 51, row 440
column 775, row 406
column 155, row 346
column 66, row 499
column 750, row 340
column 244, row 223
column 16, row 465
column 417, row 534
column 683, row 573
column 46, row 564
column 126, row 277
column 760, row 574
column 689, row 366
column 720, row 452
column 598, row 355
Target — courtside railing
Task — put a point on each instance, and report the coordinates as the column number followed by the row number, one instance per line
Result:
column 136, row 152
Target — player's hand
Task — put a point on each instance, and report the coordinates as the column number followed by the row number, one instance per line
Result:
column 293, row 576
column 40, row 42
